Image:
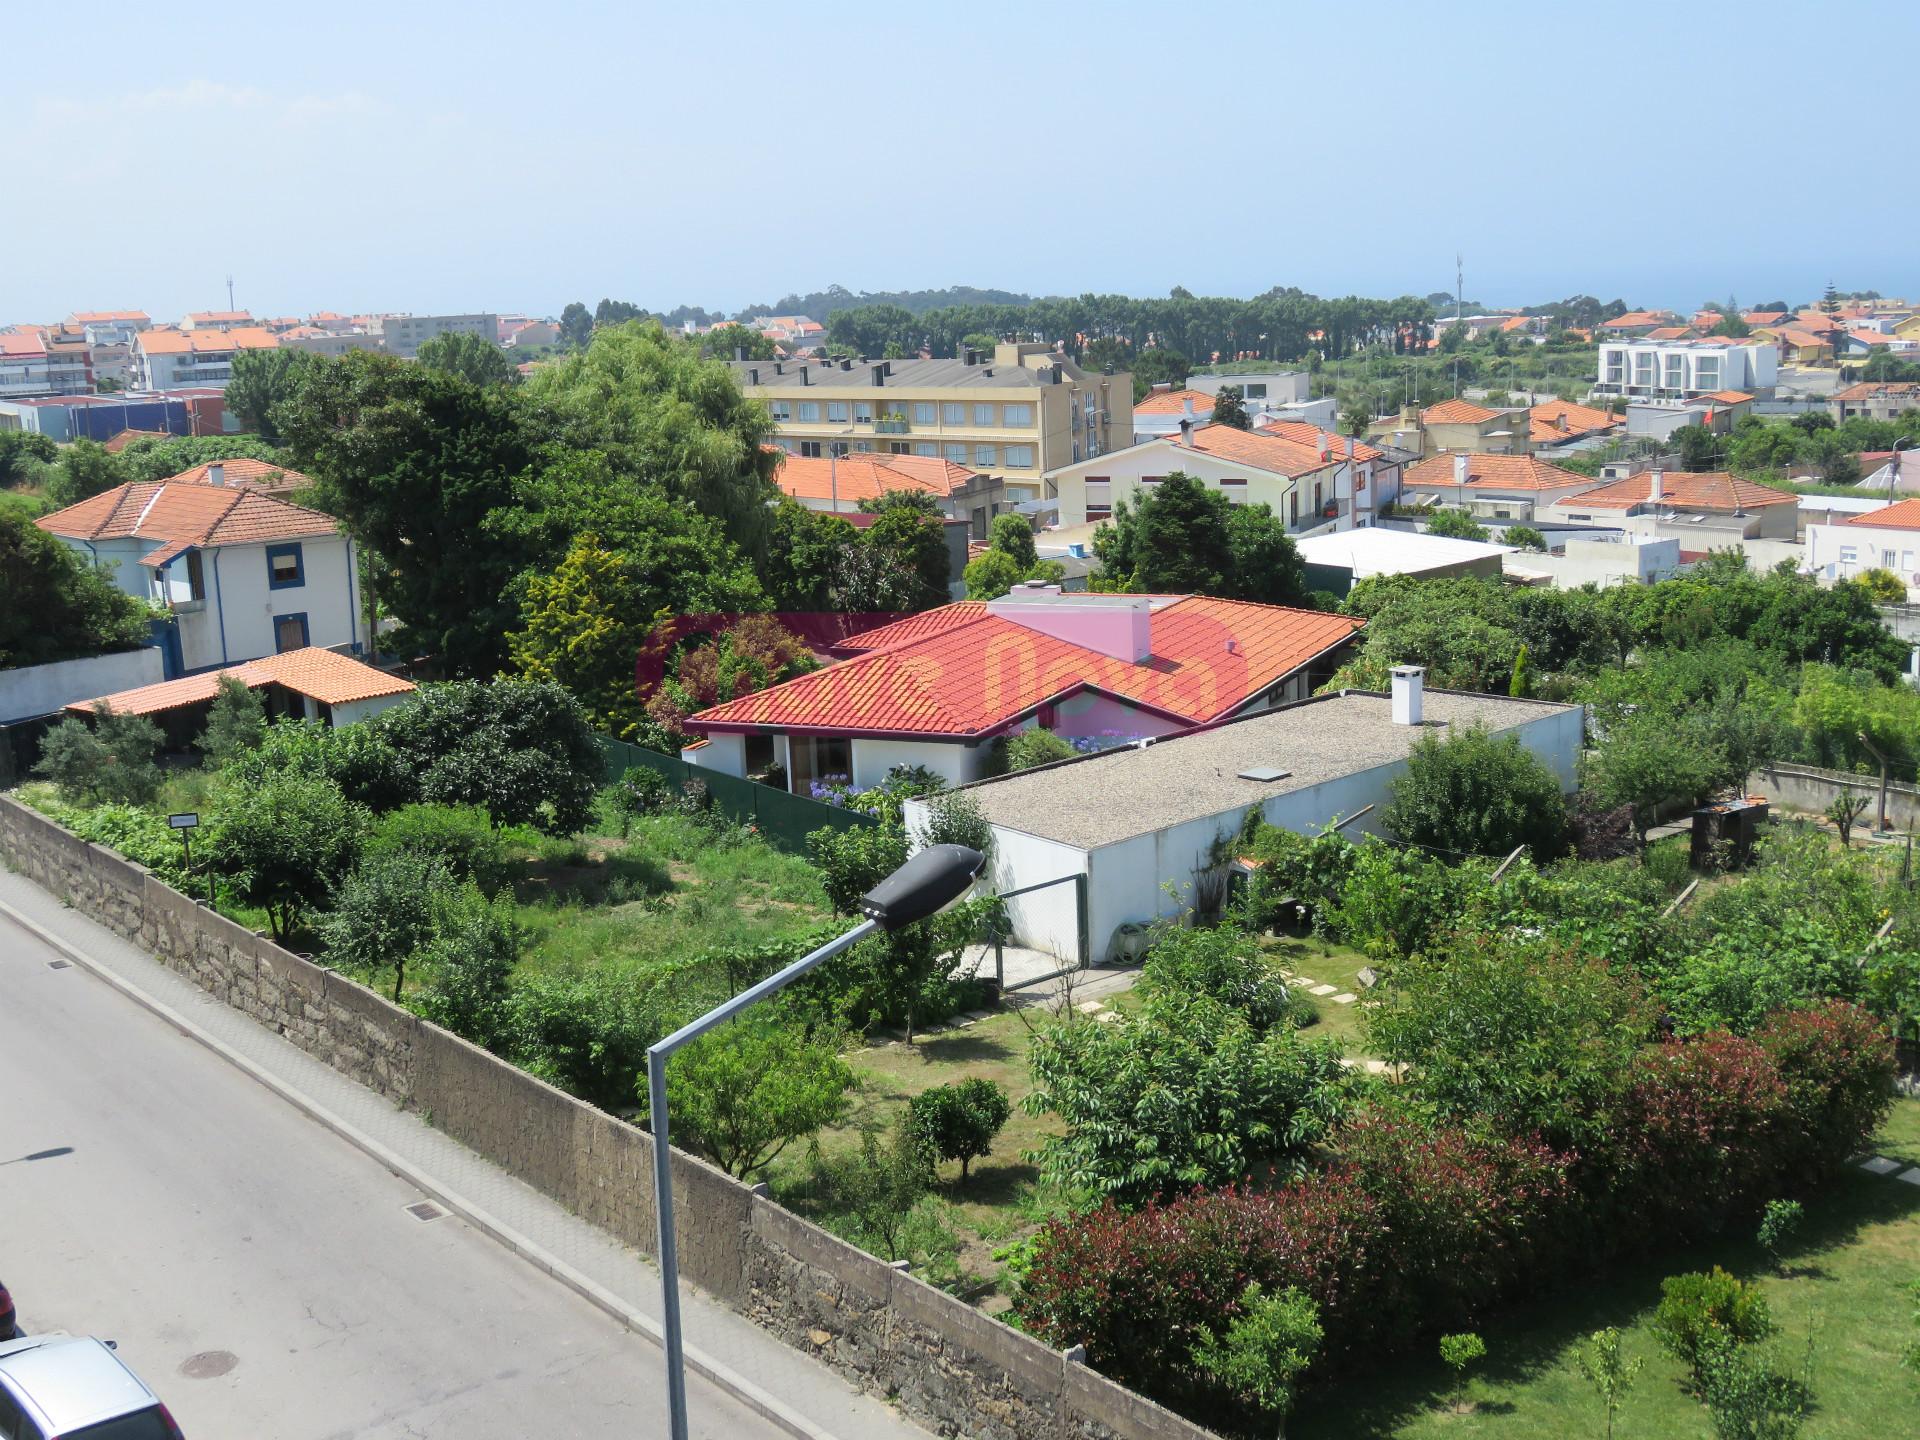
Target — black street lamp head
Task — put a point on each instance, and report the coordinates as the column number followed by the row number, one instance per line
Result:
column 929, row 881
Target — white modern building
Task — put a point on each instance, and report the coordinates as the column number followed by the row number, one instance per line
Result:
column 244, row 574
column 198, row 358
column 1648, row 369
column 1601, row 559
column 1143, row 824
column 1887, row 538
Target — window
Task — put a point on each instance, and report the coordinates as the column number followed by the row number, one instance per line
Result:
column 923, row 412
column 1017, row 457
column 863, row 447
column 812, row 449
column 957, row 454
column 953, row 413
column 1676, row 372
column 809, row 412
column 290, row 632
column 286, row 567
column 1151, row 479
column 925, row 447
column 196, row 576
column 1017, row 415
column 898, row 447
column 1293, row 506
column 1234, row 487
column 986, row 456
column 1849, row 555
column 1099, row 497
column 1644, row 374
column 983, row 415
column 782, row 409
column 1706, row 372
column 1316, row 497
column 838, row 411
column 863, row 412
column 1253, row 392
column 1888, row 558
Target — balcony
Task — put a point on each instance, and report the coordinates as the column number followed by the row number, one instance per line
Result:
column 897, row 426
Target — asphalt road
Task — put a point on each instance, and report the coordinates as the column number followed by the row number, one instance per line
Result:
column 260, row 1274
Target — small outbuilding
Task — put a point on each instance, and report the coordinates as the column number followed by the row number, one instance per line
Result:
column 1145, row 823
column 1339, row 561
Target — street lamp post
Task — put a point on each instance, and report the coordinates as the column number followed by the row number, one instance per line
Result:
column 928, row 882
column 1893, row 465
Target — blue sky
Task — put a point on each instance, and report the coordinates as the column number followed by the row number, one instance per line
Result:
column 435, row 157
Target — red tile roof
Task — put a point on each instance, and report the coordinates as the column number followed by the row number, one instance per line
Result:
column 1493, row 472
column 1300, row 432
column 101, row 317
column 244, row 473
column 1715, row 491
column 1562, row 420
column 329, row 678
column 1175, row 402
column 1881, row 390
column 183, row 342
column 868, row 476
column 124, row 438
column 1262, row 450
column 975, row 677
column 1669, row 332
column 1730, row 397
column 1456, row 412
column 917, row 627
column 186, row 516
column 1637, row 319
column 1902, row 515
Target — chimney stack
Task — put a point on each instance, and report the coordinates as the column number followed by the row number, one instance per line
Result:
column 1656, row 485
column 753, row 376
column 216, row 474
column 1186, row 405
column 1409, row 693
column 879, row 375
column 1460, row 468
column 1186, row 432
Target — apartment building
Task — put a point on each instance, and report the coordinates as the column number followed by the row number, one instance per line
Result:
column 109, row 327
column 170, row 359
column 403, row 335
column 1875, row 400
column 1014, row 414
column 23, row 363
column 1649, row 369
column 219, row 320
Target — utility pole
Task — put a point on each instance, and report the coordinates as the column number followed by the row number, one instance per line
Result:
column 229, row 294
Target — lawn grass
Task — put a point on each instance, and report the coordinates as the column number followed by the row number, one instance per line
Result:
column 1339, row 966
column 1860, row 1249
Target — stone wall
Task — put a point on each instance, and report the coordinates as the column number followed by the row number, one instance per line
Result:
column 951, row 1367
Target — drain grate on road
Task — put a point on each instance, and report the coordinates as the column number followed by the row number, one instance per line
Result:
column 424, row 1210
column 59, row 964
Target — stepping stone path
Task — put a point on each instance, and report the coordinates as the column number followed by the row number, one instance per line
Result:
column 1912, row 1177
column 1879, row 1165
column 1299, row 982
column 1345, row 999
column 1090, row 1007
column 1107, row 1017
column 1322, row 990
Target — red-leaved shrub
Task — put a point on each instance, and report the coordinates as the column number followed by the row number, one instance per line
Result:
column 1837, row 1062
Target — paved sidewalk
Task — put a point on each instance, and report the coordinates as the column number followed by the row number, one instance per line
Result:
column 809, row 1399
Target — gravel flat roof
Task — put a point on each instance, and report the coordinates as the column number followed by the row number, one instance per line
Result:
column 1122, row 793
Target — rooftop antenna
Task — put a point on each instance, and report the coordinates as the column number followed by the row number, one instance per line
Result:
column 229, row 294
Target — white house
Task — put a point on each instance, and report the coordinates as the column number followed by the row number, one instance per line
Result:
column 203, row 356
column 310, row 684
column 1302, row 473
column 244, row 573
column 1683, row 369
column 937, row 689
column 1884, row 539
column 1142, row 824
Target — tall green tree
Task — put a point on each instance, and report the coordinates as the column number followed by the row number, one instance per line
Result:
column 85, row 469
column 1182, row 538
column 576, row 326
column 262, row 380
column 736, row 342
column 666, row 417
column 57, row 607
column 1478, row 794
column 474, row 358
column 284, row 843
column 1230, row 408
column 414, row 461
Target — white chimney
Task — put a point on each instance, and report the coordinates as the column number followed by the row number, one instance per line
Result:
column 1409, row 693
column 1460, row 468
column 1656, row 485
column 1186, row 432
column 1186, row 405
column 216, row 474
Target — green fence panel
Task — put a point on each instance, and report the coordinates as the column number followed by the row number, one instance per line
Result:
column 784, row 819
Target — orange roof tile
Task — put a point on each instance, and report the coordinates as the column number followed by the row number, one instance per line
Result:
column 1518, row 322
column 244, row 473
column 1730, row 397
column 917, row 627
column 1456, row 412
column 1903, row 515
column 219, row 317
column 1562, row 420
column 124, row 438
column 1300, row 432
column 1669, row 332
column 184, row 342
column 103, row 317
column 977, row 677
column 1714, row 491
column 325, row 676
column 22, row 343
column 1176, row 402
column 1636, row 319
column 1260, row 449
column 1493, row 472
column 198, row 515
column 867, row 476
